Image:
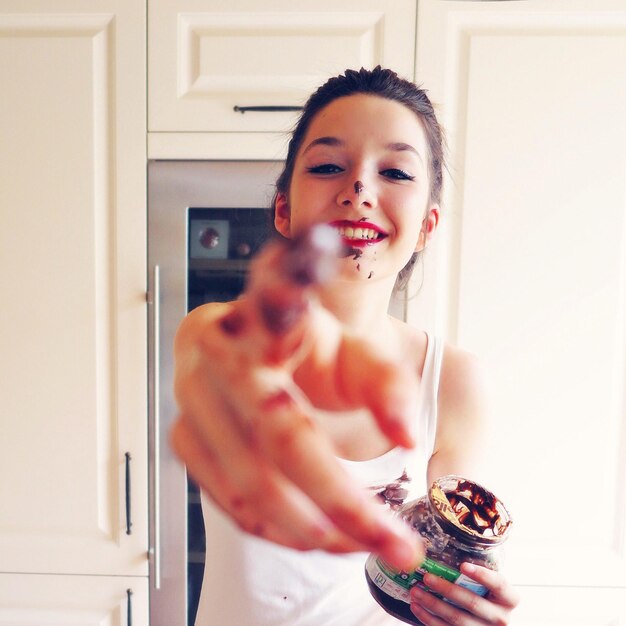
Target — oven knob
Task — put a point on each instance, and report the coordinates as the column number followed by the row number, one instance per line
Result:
column 243, row 249
column 209, row 238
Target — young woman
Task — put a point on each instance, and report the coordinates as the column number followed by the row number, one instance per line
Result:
column 304, row 398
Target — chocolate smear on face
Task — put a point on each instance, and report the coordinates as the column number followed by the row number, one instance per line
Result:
column 370, row 274
column 355, row 253
column 310, row 258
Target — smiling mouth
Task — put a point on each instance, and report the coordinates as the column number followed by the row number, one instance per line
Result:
column 358, row 233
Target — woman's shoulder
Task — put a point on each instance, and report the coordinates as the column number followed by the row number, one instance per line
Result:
column 460, row 367
column 463, row 383
column 463, row 407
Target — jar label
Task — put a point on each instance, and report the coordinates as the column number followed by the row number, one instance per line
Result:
column 397, row 583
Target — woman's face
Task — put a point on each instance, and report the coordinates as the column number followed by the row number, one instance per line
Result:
column 363, row 168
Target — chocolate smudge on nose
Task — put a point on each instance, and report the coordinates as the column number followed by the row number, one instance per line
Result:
column 370, row 274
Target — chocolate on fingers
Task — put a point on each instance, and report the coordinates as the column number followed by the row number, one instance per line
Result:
column 282, row 281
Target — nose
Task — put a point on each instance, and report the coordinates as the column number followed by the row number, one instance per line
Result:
column 356, row 194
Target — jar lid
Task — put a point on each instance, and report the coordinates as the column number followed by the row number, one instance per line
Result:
column 471, row 509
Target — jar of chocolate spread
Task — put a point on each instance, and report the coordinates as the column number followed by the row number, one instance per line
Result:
column 460, row 521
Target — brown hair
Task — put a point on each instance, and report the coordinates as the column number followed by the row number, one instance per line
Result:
column 383, row 83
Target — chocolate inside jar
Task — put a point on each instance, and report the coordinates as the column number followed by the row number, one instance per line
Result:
column 470, row 508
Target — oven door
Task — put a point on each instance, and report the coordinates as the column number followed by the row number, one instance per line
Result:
column 199, row 245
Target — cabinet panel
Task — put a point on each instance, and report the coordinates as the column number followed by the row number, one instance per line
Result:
column 529, row 271
column 554, row 606
column 206, row 60
column 35, row 600
column 72, row 253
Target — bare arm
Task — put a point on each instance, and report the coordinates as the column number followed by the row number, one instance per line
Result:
column 464, row 416
column 463, row 419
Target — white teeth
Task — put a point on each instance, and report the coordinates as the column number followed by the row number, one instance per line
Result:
column 357, row 233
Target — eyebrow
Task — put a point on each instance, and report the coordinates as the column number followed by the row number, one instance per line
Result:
column 399, row 146
column 324, row 141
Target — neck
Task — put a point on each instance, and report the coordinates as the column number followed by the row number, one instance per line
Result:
column 360, row 305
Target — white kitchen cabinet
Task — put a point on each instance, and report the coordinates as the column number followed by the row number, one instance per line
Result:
column 73, row 275
column 570, row 606
column 206, row 58
column 528, row 272
column 35, row 600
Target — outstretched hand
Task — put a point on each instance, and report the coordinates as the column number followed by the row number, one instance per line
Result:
column 249, row 378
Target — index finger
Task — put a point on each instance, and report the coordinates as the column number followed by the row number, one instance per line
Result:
column 500, row 591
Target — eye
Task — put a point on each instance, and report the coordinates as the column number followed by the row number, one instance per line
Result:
column 325, row 168
column 397, row 174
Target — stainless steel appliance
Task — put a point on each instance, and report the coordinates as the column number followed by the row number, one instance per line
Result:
column 206, row 219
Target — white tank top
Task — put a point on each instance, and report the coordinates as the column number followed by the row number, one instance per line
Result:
column 252, row 582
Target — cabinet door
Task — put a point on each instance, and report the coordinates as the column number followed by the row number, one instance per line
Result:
column 35, row 600
column 72, row 269
column 207, row 58
column 570, row 606
column 529, row 271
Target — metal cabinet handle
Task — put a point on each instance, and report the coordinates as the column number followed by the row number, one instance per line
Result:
column 266, row 109
column 156, row 425
column 129, row 607
column 129, row 523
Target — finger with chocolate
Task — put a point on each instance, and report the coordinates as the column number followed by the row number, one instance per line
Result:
column 282, row 283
